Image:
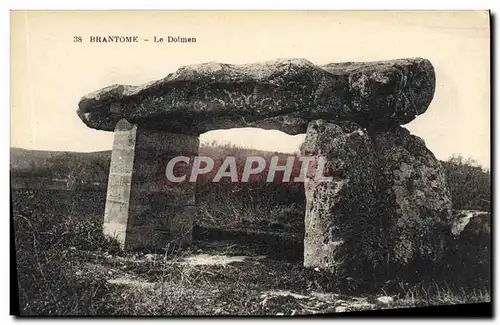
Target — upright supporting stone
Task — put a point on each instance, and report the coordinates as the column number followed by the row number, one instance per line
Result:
column 144, row 209
column 414, row 200
column 116, row 213
column 339, row 226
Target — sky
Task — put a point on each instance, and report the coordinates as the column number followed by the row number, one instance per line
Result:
column 50, row 72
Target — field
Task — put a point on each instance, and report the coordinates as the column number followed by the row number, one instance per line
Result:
column 246, row 258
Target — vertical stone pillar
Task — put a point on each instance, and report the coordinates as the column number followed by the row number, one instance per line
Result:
column 414, row 200
column 143, row 208
column 339, row 226
column 116, row 213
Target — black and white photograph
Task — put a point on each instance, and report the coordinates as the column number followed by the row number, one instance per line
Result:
column 250, row 163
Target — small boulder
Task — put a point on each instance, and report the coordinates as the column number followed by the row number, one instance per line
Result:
column 469, row 254
column 471, row 223
column 386, row 300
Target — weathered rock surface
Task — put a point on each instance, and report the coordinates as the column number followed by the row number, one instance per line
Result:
column 143, row 209
column 283, row 94
column 387, row 208
column 469, row 253
column 385, row 300
column 413, row 198
column 471, row 223
column 340, row 227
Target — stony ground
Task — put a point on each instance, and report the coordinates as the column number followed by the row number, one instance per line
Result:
column 66, row 267
column 224, row 278
column 215, row 278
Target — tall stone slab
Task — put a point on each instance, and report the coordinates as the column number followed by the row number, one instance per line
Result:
column 143, row 208
column 387, row 212
column 121, row 168
column 339, row 225
column 413, row 201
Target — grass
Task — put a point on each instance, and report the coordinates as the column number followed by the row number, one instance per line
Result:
column 439, row 293
column 163, row 285
column 67, row 267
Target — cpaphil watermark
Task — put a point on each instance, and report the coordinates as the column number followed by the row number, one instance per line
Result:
column 310, row 167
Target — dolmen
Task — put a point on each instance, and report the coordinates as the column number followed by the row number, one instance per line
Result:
column 387, row 208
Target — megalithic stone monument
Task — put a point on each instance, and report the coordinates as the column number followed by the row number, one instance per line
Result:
column 352, row 114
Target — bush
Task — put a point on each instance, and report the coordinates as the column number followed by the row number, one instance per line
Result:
column 469, row 184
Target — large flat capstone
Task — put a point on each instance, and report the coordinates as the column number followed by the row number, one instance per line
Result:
column 283, row 94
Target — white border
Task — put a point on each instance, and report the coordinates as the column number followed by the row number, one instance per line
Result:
column 258, row 4
column 190, row 4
